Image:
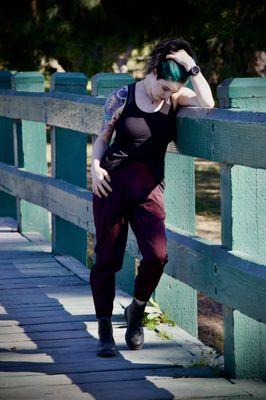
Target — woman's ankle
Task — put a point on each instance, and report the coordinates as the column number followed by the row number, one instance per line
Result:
column 139, row 302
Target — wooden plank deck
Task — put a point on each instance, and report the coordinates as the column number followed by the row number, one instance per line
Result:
column 48, row 338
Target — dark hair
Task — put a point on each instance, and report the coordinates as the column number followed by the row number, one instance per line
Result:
column 168, row 68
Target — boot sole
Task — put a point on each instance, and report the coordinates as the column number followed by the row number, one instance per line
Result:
column 108, row 352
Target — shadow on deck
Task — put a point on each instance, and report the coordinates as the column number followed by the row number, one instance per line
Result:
column 48, row 338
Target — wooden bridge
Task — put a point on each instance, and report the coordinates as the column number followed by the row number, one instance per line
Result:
column 48, row 327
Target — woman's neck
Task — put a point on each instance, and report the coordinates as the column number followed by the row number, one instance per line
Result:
column 147, row 91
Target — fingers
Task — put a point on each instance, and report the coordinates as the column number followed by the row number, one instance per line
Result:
column 96, row 191
column 99, row 188
column 172, row 57
column 176, row 54
column 99, row 191
column 105, row 186
column 106, row 175
column 104, row 192
column 100, row 185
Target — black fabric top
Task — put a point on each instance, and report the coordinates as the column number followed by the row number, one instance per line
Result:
column 141, row 136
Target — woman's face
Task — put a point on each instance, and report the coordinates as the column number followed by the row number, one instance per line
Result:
column 162, row 89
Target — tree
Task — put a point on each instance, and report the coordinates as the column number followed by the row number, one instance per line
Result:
column 89, row 35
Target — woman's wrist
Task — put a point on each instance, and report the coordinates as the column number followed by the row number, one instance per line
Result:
column 95, row 163
column 189, row 64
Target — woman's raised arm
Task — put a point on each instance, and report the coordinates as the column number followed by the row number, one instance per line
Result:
column 201, row 96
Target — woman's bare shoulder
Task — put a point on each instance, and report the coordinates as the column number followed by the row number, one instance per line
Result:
column 116, row 100
column 113, row 108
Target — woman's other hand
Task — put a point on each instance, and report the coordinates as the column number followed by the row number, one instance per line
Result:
column 100, row 179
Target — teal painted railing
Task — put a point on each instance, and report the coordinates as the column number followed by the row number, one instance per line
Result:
column 232, row 273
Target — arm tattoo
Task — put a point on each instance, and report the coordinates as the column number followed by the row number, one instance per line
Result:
column 112, row 110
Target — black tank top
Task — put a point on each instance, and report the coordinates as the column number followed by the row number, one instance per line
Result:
column 141, row 136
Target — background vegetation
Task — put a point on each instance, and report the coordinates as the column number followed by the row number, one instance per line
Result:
column 115, row 35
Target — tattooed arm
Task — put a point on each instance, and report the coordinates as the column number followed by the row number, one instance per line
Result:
column 113, row 108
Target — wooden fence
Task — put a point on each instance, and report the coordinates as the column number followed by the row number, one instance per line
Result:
column 232, row 273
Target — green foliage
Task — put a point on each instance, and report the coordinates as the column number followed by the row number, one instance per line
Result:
column 208, row 359
column 90, row 35
column 151, row 320
column 164, row 335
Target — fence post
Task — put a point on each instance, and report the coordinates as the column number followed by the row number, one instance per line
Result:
column 176, row 299
column 69, row 162
column 243, row 205
column 7, row 202
column 102, row 85
column 30, row 154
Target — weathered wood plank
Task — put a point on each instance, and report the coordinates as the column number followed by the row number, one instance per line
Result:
column 56, row 326
column 89, row 362
column 67, row 237
column 16, row 379
column 17, row 266
column 203, row 134
column 35, row 336
column 81, row 113
column 24, row 283
column 152, row 388
column 231, row 278
column 18, row 254
column 68, row 392
column 177, row 300
column 30, row 153
column 51, row 305
column 206, row 140
column 34, row 272
column 68, row 201
column 256, row 388
column 10, row 237
column 75, row 266
column 41, row 318
column 162, row 388
column 26, row 259
column 46, row 345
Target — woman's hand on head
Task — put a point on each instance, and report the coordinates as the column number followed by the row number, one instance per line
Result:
column 100, row 177
column 182, row 58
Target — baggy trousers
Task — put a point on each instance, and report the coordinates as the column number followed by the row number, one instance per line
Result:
column 136, row 199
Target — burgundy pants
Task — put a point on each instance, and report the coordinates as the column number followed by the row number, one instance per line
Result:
column 137, row 199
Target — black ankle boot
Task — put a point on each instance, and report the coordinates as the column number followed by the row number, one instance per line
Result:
column 106, row 346
column 134, row 335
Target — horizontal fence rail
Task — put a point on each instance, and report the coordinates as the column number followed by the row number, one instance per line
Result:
column 82, row 113
column 202, row 133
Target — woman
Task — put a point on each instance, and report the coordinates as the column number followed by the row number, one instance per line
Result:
column 128, row 181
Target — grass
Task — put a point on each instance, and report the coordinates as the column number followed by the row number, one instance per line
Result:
column 206, row 359
column 164, row 335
